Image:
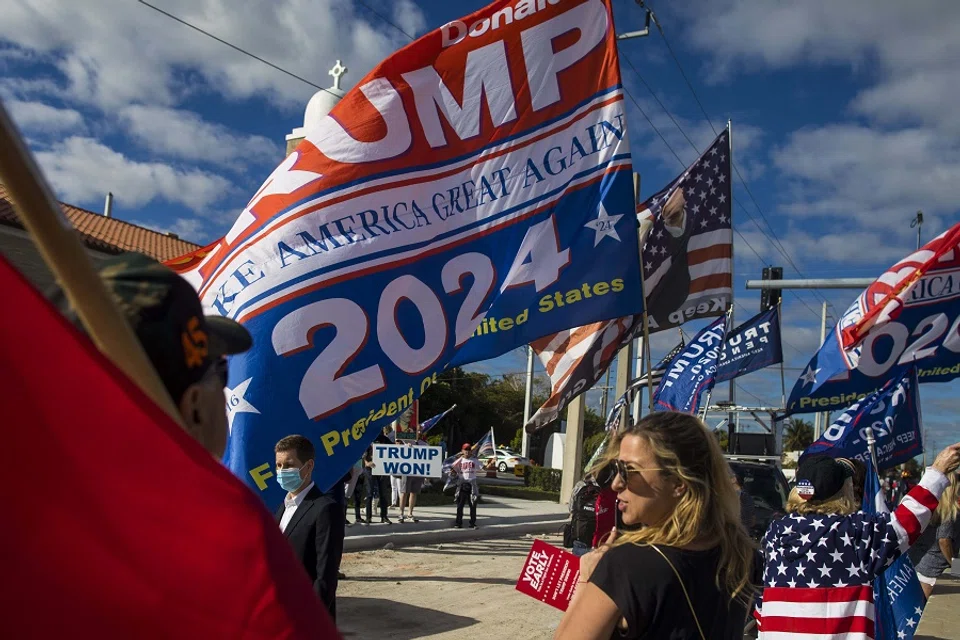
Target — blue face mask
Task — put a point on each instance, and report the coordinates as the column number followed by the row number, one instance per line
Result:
column 289, row 479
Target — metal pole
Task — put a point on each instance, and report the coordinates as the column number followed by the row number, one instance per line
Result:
column 731, row 417
column 108, row 205
column 812, row 283
column 606, row 392
column 572, row 449
column 820, row 420
column 783, row 383
column 527, row 405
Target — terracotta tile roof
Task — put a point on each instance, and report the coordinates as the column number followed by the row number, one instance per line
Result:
column 108, row 234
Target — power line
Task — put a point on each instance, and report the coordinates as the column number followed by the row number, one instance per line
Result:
column 629, row 62
column 379, row 15
column 236, row 48
column 682, row 73
column 653, row 126
column 776, row 244
column 683, row 164
column 775, row 240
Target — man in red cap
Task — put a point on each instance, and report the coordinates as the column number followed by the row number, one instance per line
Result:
column 466, row 468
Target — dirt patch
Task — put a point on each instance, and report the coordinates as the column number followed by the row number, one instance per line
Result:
column 442, row 591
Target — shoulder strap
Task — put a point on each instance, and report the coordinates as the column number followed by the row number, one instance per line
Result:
column 684, row 587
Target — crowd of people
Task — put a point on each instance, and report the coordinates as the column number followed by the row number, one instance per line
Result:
column 683, row 517
column 668, row 554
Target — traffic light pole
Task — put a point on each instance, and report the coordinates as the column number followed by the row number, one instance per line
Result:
column 771, row 286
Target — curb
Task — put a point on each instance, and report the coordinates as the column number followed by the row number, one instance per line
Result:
column 450, row 535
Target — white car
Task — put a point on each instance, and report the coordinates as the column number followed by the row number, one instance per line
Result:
column 507, row 459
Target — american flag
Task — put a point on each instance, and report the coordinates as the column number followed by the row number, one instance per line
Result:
column 575, row 360
column 687, row 275
column 688, row 251
column 819, row 569
column 626, row 400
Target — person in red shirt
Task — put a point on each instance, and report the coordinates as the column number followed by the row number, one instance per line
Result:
column 606, row 514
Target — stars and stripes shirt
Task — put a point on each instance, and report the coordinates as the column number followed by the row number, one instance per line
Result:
column 819, row 570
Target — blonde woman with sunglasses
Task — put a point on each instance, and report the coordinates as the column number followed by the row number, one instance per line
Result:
column 684, row 574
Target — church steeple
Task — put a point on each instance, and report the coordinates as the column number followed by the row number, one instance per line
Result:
column 319, row 106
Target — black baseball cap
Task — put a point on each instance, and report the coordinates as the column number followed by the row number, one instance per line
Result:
column 821, row 477
column 165, row 312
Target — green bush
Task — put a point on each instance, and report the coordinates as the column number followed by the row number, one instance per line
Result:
column 542, row 478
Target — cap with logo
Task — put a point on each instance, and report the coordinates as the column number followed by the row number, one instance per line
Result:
column 165, row 313
column 466, row 445
column 821, row 477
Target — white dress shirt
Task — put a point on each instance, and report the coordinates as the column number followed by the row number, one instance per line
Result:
column 290, row 506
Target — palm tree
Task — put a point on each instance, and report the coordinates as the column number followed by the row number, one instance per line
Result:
column 797, row 435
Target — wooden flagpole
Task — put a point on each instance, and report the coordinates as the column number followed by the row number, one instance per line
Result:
column 65, row 256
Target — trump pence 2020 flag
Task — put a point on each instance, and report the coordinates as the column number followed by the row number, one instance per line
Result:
column 471, row 194
column 892, row 414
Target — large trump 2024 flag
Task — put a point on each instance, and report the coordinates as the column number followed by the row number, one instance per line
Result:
column 472, row 193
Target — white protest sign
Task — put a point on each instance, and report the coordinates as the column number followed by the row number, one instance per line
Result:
column 405, row 460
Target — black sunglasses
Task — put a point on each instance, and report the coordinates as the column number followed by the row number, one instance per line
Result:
column 624, row 469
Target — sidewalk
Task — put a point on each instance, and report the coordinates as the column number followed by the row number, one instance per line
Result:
column 497, row 517
column 941, row 617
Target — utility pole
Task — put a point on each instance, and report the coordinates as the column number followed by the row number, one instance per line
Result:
column 815, row 283
column 606, row 393
column 527, row 405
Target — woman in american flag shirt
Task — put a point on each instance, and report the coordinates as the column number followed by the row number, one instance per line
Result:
column 821, row 559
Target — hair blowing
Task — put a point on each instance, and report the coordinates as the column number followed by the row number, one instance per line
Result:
column 708, row 508
column 948, row 507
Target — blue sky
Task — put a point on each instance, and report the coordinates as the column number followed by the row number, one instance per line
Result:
column 844, row 121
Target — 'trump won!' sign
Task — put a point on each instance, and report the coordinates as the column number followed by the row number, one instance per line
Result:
column 470, row 195
column 407, row 460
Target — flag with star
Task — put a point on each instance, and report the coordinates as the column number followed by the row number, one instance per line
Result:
column 907, row 316
column 366, row 266
column 892, row 413
column 687, row 234
column 898, row 598
column 687, row 259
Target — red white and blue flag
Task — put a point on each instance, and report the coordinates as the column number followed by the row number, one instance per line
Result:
column 909, row 316
column 898, row 597
column 892, row 414
column 692, row 372
column 687, row 232
column 453, row 206
column 430, row 423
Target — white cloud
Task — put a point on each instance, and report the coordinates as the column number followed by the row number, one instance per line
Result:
column 682, row 152
column 82, row 170
column 875, row 178
column 184, row 134
column 114, row 52
column 193, row 230
column 40, row 117
column 866, row 179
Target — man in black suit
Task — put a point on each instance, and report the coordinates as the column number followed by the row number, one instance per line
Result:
column 312, row 521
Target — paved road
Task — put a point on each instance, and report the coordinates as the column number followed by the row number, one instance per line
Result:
column 442, row 592
column 941, row 618
column 497, row 517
